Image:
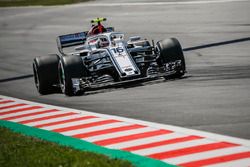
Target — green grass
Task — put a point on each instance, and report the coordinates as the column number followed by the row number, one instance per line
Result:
column 23, row 151
column 6, row 3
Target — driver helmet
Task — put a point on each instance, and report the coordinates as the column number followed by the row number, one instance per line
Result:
column 103, row 42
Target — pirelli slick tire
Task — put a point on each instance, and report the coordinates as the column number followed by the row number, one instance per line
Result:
column 170, row 50
column 70, row 67
column 45, row 69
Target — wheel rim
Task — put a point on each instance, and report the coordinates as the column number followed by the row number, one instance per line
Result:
column 61, row 77
column 36, row 77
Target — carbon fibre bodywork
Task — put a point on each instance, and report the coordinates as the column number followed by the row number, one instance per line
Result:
column 111, row 60
column 105, row 59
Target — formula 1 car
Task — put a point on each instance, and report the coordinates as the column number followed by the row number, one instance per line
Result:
column 102, row 57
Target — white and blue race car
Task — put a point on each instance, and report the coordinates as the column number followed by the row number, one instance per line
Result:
column 102, row 57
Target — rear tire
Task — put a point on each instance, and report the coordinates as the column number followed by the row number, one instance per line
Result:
column 70, row 67
column 170, row 50
column 45, row 71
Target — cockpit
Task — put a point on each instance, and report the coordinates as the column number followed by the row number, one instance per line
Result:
column 99, row 41
column 104, row 40
column 116, row 38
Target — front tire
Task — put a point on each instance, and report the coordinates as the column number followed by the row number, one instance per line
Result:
column 170, row 50
column 45, row 73
column 70, row 67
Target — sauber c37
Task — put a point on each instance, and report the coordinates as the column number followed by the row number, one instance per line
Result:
column 101, row 57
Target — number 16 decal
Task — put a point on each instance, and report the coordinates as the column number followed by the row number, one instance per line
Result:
column 117, row 50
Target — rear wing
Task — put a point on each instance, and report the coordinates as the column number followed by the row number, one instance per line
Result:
column 69, row 40
column 79, row 38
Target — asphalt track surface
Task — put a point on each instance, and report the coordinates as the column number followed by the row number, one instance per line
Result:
column 214, row 95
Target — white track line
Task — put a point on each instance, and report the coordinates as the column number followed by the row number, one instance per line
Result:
column 22, row 112
column 74, row 123
column 171, row 147
column 206, row 155
column 51, row 120
column 146, row 140
column 8, row 104
column 119, row 134
column 234, row 163
column 13, row 108
column 95, row 128
column 35, row 116
column 156, row 3
column 1, row 100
